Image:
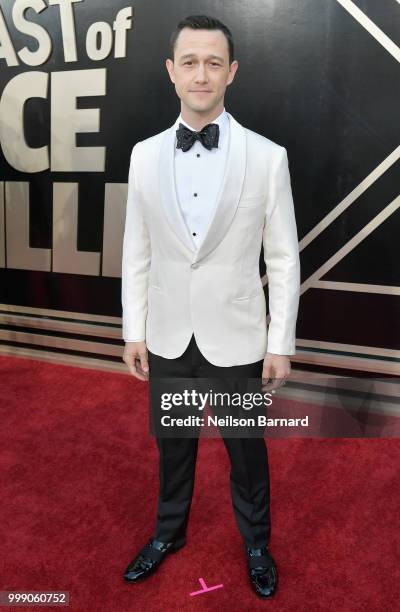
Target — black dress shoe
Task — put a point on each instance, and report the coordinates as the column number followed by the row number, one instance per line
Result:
column 150, row 558
column 262, row 571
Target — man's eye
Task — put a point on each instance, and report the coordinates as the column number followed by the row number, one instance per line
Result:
column 188, row 62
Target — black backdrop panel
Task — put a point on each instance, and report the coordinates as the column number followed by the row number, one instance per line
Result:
column 311, row 77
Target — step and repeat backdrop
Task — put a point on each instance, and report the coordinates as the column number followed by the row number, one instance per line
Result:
column 81, row 81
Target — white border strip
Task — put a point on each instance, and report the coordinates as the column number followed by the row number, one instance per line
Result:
column 70, row 327
column 346, row 362
column 348, row 348
column 303, row 356
column 67, row 314
column 78, row 361
column 73, row 344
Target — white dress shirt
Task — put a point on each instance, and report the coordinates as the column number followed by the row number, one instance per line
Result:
column 198, row 178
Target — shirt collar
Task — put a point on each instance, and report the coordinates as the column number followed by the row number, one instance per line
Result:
column 222, row 120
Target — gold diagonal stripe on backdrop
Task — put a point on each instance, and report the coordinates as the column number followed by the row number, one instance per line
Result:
column 350, row 198
column 351, row 244
column 372, row 28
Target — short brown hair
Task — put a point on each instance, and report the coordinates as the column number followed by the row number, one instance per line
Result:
column 202, row 22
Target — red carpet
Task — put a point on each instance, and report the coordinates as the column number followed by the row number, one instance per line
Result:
column 79, row 483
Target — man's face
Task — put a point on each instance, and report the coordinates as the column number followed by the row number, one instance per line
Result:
column 201, row 70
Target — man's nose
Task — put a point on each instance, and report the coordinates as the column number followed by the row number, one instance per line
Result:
column 201, row 75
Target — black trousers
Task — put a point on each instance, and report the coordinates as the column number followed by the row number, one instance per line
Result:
column 249, row 474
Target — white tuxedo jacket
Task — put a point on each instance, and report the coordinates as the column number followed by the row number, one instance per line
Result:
column 170, row 290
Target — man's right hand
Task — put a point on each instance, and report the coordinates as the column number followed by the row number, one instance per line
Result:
column 135, row 357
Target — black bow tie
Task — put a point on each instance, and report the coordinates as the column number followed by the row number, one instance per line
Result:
column 208, row 136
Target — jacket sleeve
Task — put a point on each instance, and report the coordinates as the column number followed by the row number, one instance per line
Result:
column 136, row 258
column 281, row 255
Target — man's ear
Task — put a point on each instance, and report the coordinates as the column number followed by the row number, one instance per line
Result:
column 170, row 67
column 232, row 71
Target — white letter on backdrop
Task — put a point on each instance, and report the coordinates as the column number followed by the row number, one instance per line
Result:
column 6, row 46
column 67, row 27
column 67, row 120
column 106, row 40
column 36, row 31
column 16, row 151
column 121, row 24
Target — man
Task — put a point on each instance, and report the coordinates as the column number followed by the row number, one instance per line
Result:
column 203, row 196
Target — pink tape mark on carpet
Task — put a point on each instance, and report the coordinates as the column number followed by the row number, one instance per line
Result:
column 205, row 588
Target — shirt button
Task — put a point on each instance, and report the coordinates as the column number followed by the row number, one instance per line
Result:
column 194, row 265
column 198, row 155
column 194, row 234
column 195, row 195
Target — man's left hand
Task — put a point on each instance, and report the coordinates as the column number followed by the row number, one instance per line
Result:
column 276, row 368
